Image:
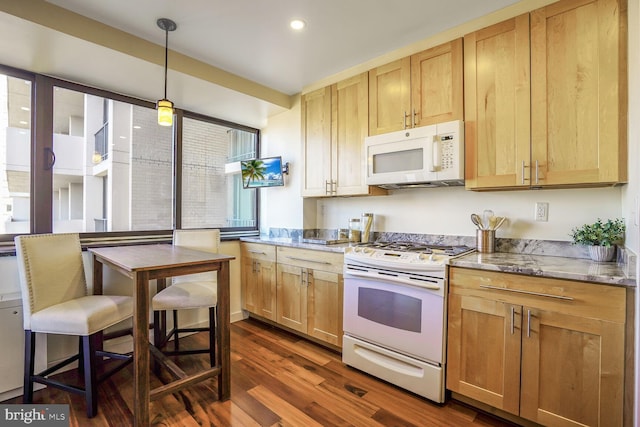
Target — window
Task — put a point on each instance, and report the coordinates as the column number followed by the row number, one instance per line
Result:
column 15, row 154
column 103, row 164
column 212, row 195
column 113, row 166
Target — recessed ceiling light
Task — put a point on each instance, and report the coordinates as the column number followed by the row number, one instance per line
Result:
column 297, row 24
column 137, row 127
column 25, row 108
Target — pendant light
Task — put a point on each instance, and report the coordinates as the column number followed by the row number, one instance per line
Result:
column 164, row 106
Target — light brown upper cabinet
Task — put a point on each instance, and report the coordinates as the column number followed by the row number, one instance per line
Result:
column 419, row 90
column 545, row 98
column 334, row 125
column 316, row 139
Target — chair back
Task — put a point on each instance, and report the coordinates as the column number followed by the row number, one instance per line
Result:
column 51, row 271
column 207, row 240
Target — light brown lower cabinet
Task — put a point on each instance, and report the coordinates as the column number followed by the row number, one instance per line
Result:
column 309, row 292
column 258, row 279
column 547, row 350
column 300, row 289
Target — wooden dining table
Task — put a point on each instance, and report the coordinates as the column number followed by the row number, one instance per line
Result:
column 143, row 263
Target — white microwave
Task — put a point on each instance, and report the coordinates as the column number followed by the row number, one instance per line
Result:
column 427, row 156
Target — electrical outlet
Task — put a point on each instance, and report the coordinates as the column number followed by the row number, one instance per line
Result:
column 542, row 211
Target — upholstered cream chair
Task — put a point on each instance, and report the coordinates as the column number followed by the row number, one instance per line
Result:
column 55, row 300
column 188, row 292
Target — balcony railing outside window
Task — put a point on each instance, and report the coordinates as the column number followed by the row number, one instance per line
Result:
column 101, row 139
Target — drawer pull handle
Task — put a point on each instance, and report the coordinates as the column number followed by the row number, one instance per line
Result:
column 519, row 291
column 253, row 251
column 308, row 260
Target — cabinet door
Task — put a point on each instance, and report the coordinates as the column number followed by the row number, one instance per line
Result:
column 497, row 105
column 572, row 370
column 483, row 351
column 266, row 281
column 436, row 84
column 292, row 297
column 316, row 142
column 390, row 97
column 258, row 279
column 578, row 92
column 250, row 285
column 325, row 306
column 350, row 119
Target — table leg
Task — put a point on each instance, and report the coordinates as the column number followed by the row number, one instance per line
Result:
column 224, row 340
column 141, row 349
column 97, row 290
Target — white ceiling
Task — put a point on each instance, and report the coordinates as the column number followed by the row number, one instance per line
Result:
column 249, row 38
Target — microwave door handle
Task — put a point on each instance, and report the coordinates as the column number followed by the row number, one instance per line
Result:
column 389, row 278
column 435, row 154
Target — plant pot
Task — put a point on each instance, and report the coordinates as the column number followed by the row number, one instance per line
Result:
column 602, row 253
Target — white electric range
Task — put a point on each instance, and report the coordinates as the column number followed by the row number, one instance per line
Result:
column 395, row 313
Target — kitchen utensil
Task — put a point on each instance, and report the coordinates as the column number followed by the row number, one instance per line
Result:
column 486, row 215
column 475, row 218
column 498, row 222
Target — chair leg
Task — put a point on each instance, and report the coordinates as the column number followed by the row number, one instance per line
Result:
column 158, row 338
column 157, row 329
column 80, row 357
column 29, row 363
column 176, row 340
column 90, row 375
column 212, row 336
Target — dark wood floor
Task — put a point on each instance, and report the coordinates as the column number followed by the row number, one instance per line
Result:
column 278, row 379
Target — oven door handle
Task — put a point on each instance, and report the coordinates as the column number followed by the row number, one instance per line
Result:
column 393, row 278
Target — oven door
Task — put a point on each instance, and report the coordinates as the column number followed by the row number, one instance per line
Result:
column 399, row 317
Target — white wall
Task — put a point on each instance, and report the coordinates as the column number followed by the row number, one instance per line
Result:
column 447, row 211
column 281, row 207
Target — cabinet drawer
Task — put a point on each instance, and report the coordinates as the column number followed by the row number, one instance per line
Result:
column 307, row 258
column 582, row 299
column 258, row 251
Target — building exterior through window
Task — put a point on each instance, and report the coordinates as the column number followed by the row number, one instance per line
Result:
column 113, row 166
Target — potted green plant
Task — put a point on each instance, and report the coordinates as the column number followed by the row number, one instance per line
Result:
column 601, row 238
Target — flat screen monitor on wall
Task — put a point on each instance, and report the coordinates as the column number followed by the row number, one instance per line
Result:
column 264, row 172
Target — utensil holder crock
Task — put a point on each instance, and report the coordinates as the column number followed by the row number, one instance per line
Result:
column 485, row 241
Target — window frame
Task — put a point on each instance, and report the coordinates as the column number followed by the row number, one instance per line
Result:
column 41, row 175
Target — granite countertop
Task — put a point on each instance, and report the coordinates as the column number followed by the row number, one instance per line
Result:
column 293, row 243
column 609, row 273
column 581, row 269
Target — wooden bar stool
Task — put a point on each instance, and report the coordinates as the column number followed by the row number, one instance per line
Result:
column 188, row 292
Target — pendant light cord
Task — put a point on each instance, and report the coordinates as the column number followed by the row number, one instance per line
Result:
column 166, row 59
